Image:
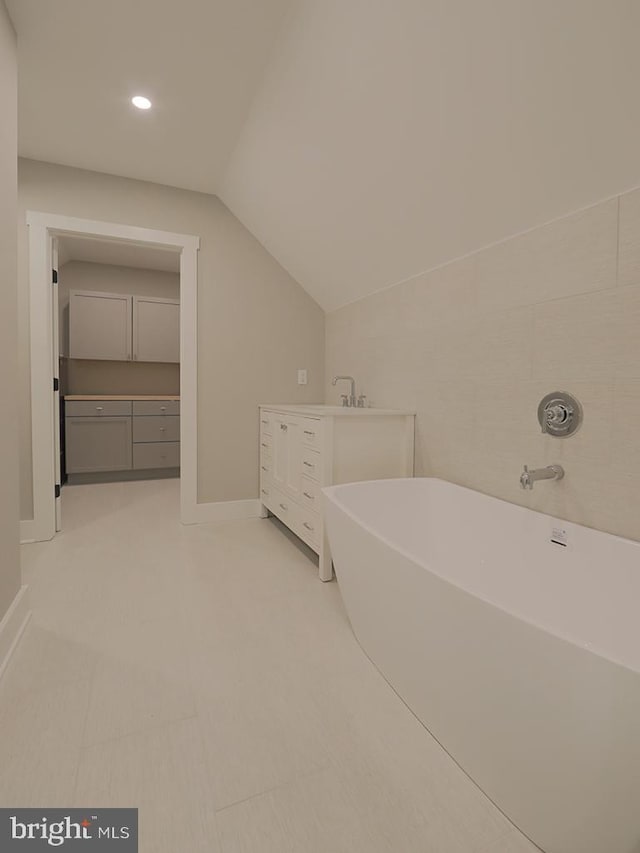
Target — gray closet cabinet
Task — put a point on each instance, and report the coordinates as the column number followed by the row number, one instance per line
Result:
column 118, row 435
column 98, row 437
column 100, row 326
column 156, row 329
column 117, row 327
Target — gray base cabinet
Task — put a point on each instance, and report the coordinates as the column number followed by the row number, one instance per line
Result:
column 105, row 436
column 98, row 444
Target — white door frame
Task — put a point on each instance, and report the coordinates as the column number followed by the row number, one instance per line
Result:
column 43, row 226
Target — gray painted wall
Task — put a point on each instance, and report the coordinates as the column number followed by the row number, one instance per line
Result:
column 256, row 325
column 9, row 536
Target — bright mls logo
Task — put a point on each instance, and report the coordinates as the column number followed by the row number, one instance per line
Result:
column 25, row 830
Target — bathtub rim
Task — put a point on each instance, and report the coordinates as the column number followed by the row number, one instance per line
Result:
column 331, row 493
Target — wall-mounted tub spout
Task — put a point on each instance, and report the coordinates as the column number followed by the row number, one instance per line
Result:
column 551, row 472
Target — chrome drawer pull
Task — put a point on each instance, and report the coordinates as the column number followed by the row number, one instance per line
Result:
column 285, row 508
column 99, row 408
column 308, row 526
column 163, row 408
column 307, row 495
column 163, row 429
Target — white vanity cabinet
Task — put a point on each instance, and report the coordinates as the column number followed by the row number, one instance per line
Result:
column 117, row 327
column 303, row 448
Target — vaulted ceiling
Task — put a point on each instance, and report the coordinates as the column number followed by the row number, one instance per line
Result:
column 199, row 61
column 362, row 141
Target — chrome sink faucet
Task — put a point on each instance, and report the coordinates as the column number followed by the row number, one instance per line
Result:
column 351, row 399
column 551, row 472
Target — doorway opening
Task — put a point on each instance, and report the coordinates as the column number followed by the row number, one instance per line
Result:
column 143, row 325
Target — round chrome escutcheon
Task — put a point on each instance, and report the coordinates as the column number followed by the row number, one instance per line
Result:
column 559, row 414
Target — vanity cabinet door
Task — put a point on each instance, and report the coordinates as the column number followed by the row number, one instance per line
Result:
column 287, row 449
column 100, row 326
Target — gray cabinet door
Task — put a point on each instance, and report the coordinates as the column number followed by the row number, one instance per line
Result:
column 156, row 329
column 100, row 326
column 98, row 444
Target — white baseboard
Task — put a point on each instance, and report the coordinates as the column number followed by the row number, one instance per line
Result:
column 224, row 511
column 12, row 625
column 27, row 531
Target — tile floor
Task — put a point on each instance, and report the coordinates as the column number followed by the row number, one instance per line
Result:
column 205, row 675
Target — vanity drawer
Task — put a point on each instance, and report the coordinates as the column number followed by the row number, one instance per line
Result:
column 266, row 467
column 280, row 505
column 266, row 447
column 310, row 464
column 267, row 493
column 156, row 455
column 266, row 423
column 310, row 494
column 156, row 428
column 156, row 407
column 97, row 408
column 311, row 432
column 308, row 527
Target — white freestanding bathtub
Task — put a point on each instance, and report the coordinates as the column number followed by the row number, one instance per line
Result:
column 520, row 655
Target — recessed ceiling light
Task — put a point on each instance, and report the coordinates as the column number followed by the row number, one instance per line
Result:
column 141, row 102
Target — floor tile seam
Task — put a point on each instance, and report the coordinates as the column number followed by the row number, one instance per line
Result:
column 511, row 830
column 138, row 732
column 488, row 847
column 30, row 693
column 280, row 786
column 508, row 827
column 82, row 733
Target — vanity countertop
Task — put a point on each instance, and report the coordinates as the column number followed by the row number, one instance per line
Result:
column 338, row 411
column 121, row 396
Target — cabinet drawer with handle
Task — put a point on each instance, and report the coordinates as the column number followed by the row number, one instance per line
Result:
column 156, row 407
column 308, row 527
column 266, row 423
column 156, row 428
column 310, row 464
column 311, row 432
column 310, row 494
column 266, row 447
column 156, row 455
column 265, row 492
column 279, row 504
column 266, row 468
column 97, row 408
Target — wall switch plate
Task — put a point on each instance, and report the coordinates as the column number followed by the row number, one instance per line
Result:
column 302, row 377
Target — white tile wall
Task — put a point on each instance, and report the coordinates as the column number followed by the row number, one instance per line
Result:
column 473, row 347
